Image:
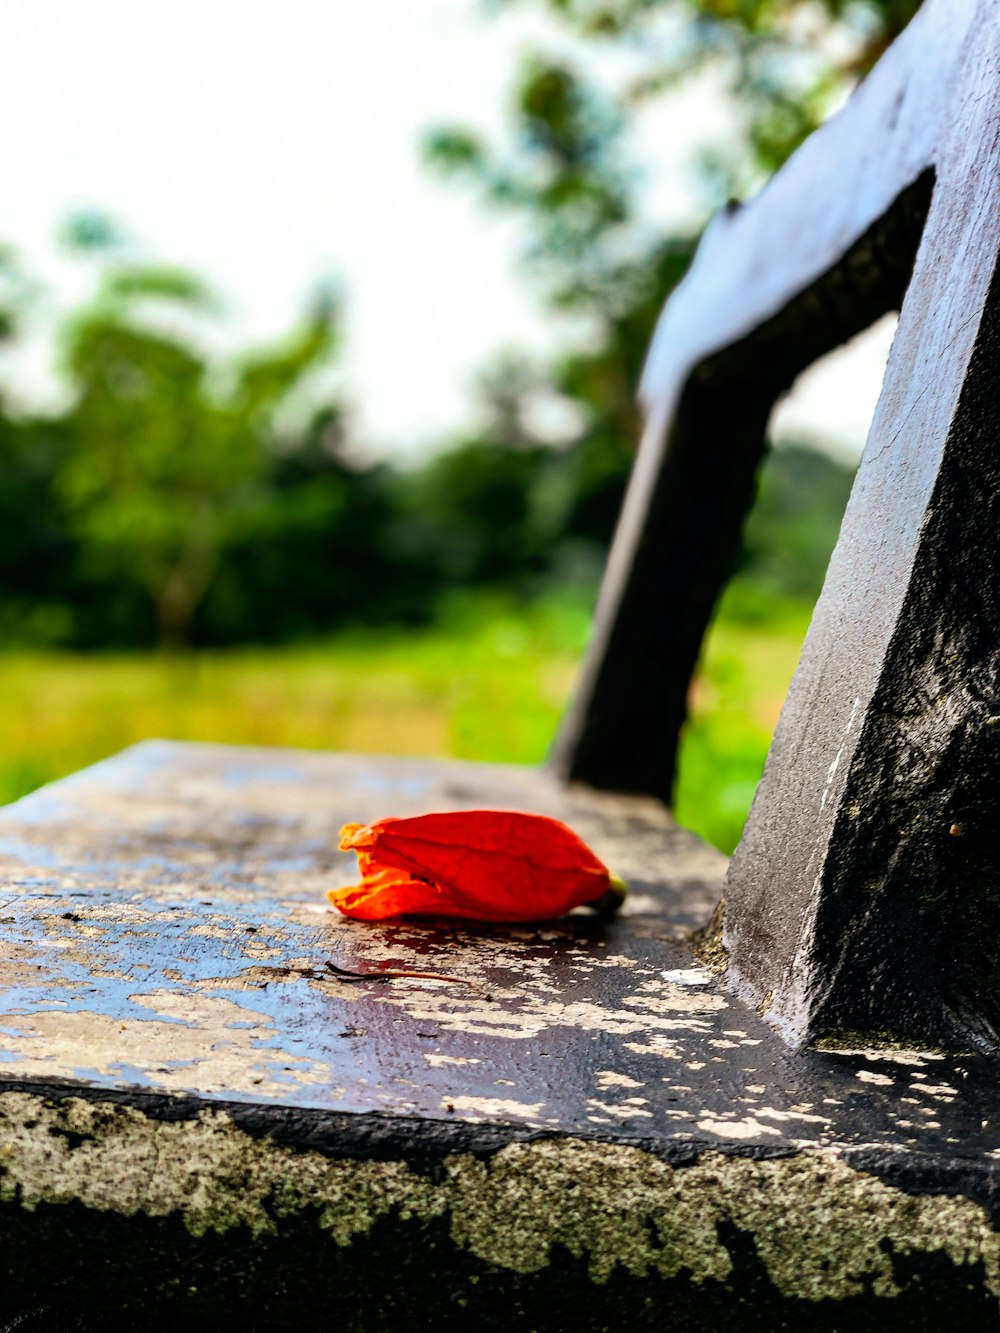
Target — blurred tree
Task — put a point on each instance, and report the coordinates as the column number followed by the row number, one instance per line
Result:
column 490, row 508
column 168, row 451
column 37, row 551
column 177, row 499
column 16, row 294
column 793, row 527
column 567, row 167
column 315, row 547
column 35, row 547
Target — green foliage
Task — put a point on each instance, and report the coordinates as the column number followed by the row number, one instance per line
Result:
column 745, row 670
column 37, row 548
column 173, row 502
column 438, row 690
column 16, row 294
column 161, row 469
column 791, row 531
column 183, row 497
column 492, row 508
column 566, row 168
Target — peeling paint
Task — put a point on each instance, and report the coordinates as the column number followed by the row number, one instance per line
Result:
column 620, row 1111
column 202, row 1038
column 689, row 976
column 533, row 1013
column 870, row 1076
column 609, row 1078
column 656, row 1046
column 494, row 1108
column 173, row 941
column 725, row 1127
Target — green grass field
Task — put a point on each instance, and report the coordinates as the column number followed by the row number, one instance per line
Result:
column 490, row 684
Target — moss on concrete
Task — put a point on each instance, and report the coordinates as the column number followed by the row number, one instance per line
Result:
column 707, row 942
column 821, row 1228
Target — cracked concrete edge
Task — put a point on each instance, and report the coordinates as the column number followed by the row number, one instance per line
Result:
column 822, row 1228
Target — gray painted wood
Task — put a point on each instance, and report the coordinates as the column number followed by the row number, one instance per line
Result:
column 864, row 894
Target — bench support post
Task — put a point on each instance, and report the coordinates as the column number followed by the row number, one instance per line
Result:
column 865, row 895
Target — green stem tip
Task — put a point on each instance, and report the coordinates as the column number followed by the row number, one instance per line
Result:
column 612, row 898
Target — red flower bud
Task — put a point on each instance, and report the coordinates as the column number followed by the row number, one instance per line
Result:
column 489, row 865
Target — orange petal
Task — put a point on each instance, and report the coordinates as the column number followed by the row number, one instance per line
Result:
column 386, row 893
column 494, row 865
column 352, row 836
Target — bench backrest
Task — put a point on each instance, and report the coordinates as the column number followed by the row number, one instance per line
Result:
column 865, row 894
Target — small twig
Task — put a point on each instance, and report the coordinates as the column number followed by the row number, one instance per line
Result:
column 402, row 974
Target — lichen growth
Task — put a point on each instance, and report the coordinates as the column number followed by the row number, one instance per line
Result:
column 853, row 1041
column 822, row 1229
column 707, row 942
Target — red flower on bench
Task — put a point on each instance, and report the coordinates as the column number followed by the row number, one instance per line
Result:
column 487, row 865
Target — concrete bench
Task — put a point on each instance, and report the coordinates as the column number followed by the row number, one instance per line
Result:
column 768, row 1099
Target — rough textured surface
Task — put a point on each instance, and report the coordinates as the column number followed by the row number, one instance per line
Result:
column 880, row 804
column 196, row 1119
column 822, row 1229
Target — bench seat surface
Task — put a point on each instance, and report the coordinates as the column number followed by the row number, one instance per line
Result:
column 165, row 930
column 571, row 1124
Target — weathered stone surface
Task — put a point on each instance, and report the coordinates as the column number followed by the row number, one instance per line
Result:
column 165, row 924
column 822, row 1229
column 880, row 804
column 572, row 1119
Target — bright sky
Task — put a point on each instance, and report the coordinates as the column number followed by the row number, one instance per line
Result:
column 268, row 144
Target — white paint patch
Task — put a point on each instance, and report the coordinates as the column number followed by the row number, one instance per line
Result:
column 771, row 1114
column 192, row 1041
column 676, row 1000
column 735, row 1129
column 608, row 1078
column 624, row 1111
column 891, row 1055
column 437, row 1061
column 655, row 1047
column 689, row 976
column 941, row 1091
column 536, row 1013
column 492, row 1108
